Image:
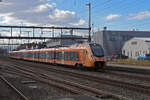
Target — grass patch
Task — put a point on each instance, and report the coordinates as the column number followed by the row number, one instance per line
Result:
column 131, row 62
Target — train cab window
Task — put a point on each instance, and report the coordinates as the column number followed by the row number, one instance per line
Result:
column 97, row 50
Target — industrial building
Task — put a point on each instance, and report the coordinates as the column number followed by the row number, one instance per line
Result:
column 113, row 41
column 136, row 47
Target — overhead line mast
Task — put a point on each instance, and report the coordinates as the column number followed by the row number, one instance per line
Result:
column 89, row 14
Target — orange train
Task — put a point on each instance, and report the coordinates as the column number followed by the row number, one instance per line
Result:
column 89, row 55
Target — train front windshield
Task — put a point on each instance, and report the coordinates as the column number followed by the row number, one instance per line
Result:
column 97, row 50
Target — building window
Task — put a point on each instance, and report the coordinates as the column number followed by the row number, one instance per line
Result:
column 137, row 53
column 123, row 52
column 113, row 38
column 134, row 43
column 126, row 37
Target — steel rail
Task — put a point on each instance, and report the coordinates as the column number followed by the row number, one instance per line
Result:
column 30, row 76
column 13, row 87
column 129, row 76
column 129, row 70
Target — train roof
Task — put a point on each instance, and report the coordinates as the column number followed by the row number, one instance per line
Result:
column 75, row 46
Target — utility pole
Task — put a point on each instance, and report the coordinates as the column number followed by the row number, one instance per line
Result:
column 89, row 14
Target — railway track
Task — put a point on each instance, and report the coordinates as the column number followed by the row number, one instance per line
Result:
column 107, row 72
column 130, row 86
column 76, row 87
column 13, row 88
column 114, row 73
column 137, row 77
column 28, row 65
column 129, row 70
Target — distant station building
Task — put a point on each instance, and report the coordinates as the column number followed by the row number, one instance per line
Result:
column 113, row 41
column 64, row 42
column 136, row 47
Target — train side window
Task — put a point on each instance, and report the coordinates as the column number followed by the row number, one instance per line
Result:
column 43, row 55
column 52, row 55
column 77, row 57
column 36, row 55
column 70, row 55
column 66, row 56
column 40, row 55
column 73, row 56
column 57, row 55
column 49, row 55
column 60, row 55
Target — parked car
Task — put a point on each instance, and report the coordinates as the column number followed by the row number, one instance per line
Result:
column 119, row 56
column 145, row 57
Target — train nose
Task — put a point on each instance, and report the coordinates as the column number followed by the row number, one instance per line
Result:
column 99, row 64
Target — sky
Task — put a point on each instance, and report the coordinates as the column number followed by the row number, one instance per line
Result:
column 114, row 14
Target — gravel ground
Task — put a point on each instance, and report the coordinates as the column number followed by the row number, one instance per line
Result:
column 5, row 90
column 107, row 88
column 34, row 90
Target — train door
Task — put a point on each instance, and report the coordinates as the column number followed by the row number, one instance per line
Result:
column 54, row 61
column 85, row 55
column 62, row 58
column 33, row 56
column 46, row 57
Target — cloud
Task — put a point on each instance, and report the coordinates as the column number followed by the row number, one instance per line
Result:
column 139, row 16
column 80, row 22
column 44, row 7
column 36, row 12
column 112, row 16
